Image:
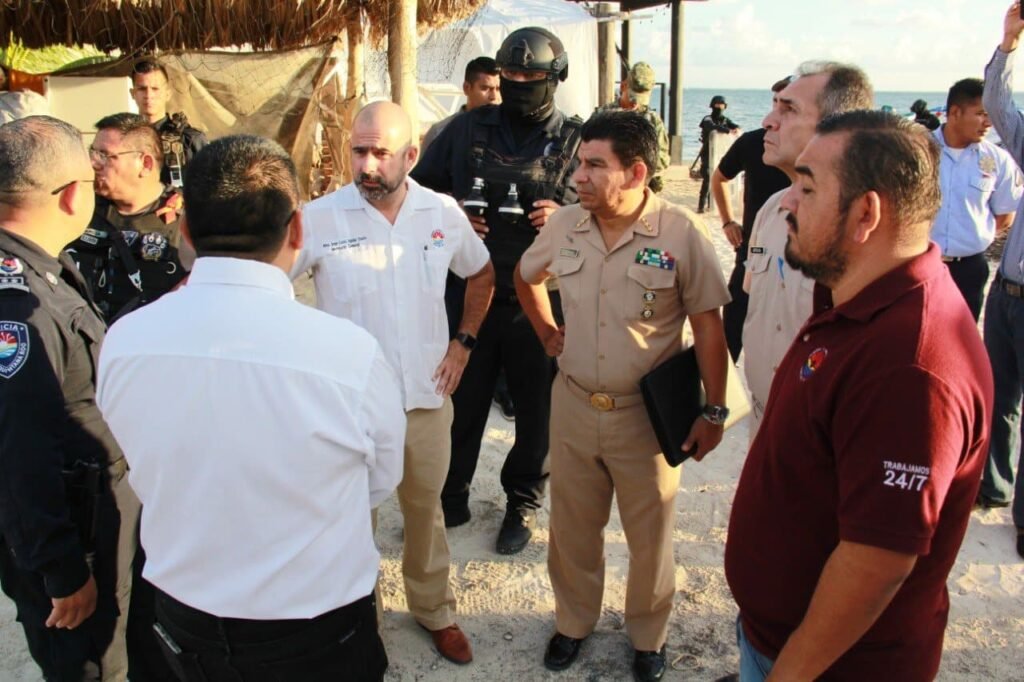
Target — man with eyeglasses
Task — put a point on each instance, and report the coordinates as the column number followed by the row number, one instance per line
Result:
column 129, row 253
column 67, row 515
column 520, row 156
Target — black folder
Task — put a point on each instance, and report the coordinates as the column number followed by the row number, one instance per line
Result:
column 674, row 399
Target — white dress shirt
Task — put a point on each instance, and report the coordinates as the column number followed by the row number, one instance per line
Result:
column 259, row 433
column 390, row 279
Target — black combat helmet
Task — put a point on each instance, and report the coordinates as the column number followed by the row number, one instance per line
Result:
column 534, row 49
column 919, row 106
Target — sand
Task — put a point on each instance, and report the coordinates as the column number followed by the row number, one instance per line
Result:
column 507, row 609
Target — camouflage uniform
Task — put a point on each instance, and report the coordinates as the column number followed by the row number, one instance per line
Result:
column 639, row 84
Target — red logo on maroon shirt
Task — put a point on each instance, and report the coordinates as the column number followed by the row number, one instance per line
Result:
column 814, row 361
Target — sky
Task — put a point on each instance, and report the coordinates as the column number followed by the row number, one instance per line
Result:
column 903, row 45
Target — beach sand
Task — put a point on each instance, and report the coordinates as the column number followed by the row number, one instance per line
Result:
column 507, row 609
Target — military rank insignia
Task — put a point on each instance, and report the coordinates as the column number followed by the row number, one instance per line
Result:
column 658, row 258
column 153, row 247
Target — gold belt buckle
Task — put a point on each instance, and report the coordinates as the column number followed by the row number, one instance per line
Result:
column 602, row 402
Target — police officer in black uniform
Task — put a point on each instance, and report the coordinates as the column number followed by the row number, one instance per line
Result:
column 67, row 515
column 129, row 253
column 510, row 165
column 179, row 141
column 716, row 122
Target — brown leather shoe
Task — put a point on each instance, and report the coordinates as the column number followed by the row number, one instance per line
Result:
column 452, row 644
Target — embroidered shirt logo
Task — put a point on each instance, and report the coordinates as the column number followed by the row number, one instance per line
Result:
column 905, row 476
column 813, row 363
column 437, row 239
column 11, row 266
column 13, row 348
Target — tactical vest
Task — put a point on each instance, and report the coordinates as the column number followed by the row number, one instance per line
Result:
column 172, row 142
column 129, row 261
column 538, row 177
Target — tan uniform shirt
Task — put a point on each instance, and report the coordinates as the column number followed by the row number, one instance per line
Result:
column 781, row 300
column 623, row 317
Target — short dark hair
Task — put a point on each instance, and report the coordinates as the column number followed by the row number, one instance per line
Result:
column 891, row 155
column 242, row 192
column 36, row 155
column 632, row 136
column 137, row 129
column 964, row 92
column 481, row 66
column 847, row 89
column 144, row 66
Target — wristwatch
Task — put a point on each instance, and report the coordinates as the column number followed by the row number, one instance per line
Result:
column 716, row 414
column 467, row 340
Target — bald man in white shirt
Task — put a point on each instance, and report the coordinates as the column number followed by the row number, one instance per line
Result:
column 380, row 249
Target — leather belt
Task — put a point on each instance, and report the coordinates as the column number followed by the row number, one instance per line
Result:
column 1012, row 288
column 602, row 402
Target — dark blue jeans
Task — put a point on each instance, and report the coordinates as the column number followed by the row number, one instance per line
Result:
column 1004, row 339
column 342, row 644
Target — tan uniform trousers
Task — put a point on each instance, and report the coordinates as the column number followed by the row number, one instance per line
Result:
column 593, row 455
column 426, row 559
column 114, row 661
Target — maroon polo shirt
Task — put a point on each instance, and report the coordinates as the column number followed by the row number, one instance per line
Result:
column 876, row 431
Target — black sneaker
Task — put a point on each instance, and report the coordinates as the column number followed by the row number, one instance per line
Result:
column 561, row 652
column 649, row 665
column 516, row 531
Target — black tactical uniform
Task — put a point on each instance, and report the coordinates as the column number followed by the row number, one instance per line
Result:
column 717, row 122
column 180, row 143
column 129, row 261
column 60, row 466
column 528, row 142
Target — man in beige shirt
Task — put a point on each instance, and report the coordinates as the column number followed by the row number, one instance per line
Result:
column 631, row 269
column 780, row 296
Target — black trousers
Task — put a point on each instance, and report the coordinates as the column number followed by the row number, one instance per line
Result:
column 506, row 341
column 971, row 274
column 146, row 660
column 735, row 311
column 342, row 644
column 63, row 654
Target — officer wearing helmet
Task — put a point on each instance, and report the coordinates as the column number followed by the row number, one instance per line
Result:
column 921, row 115
column 510, row 165
column 716, row 122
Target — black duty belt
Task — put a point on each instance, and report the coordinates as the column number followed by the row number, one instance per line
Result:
column 1012, row 288
column 960, row 259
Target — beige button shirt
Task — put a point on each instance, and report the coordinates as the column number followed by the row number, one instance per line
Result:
column 610, row 341
column 781, row 300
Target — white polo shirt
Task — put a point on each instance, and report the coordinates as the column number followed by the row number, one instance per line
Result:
column 978, row 183
column 256, row 448
column 390, row 279
column 781, row 300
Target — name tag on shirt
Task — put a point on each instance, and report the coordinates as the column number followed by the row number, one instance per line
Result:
column 756, row 249
column 344, row 244
column 569, row 253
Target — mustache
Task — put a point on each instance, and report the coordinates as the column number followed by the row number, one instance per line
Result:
column 364, row 177
column 791, row 219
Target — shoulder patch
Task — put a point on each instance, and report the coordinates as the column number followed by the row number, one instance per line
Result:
column 11, row 266
column 13, row 282
column 14, row 347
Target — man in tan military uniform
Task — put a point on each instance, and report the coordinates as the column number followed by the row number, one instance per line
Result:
column 635, row 95
column 631, row 269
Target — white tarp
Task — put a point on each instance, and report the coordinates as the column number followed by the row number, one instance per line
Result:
column 443, row 53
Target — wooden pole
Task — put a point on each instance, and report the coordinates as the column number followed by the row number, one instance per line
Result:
column 675, row 122
column 606, row 57
column 626, row 41
column 402, row 58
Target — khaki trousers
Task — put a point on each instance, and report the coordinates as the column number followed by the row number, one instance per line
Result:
column 114, row 661
column 425, row 556
column 593, row 456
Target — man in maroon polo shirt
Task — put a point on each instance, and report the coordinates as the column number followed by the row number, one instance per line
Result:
column 857, row 490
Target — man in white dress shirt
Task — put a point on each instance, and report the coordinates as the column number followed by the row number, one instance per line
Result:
column 380, row 249
column 258, row 484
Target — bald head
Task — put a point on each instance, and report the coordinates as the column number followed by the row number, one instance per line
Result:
column 383, row 152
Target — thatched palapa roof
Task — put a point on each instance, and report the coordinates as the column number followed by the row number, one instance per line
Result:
column 134, row 26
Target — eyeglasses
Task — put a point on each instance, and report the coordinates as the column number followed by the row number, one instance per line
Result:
column 103, row 157
column 68, row 184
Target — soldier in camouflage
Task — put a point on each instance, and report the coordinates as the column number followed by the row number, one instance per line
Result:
column 635, row 95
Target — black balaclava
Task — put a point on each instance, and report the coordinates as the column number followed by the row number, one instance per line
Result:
column 532, row 101
column 717, row 113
